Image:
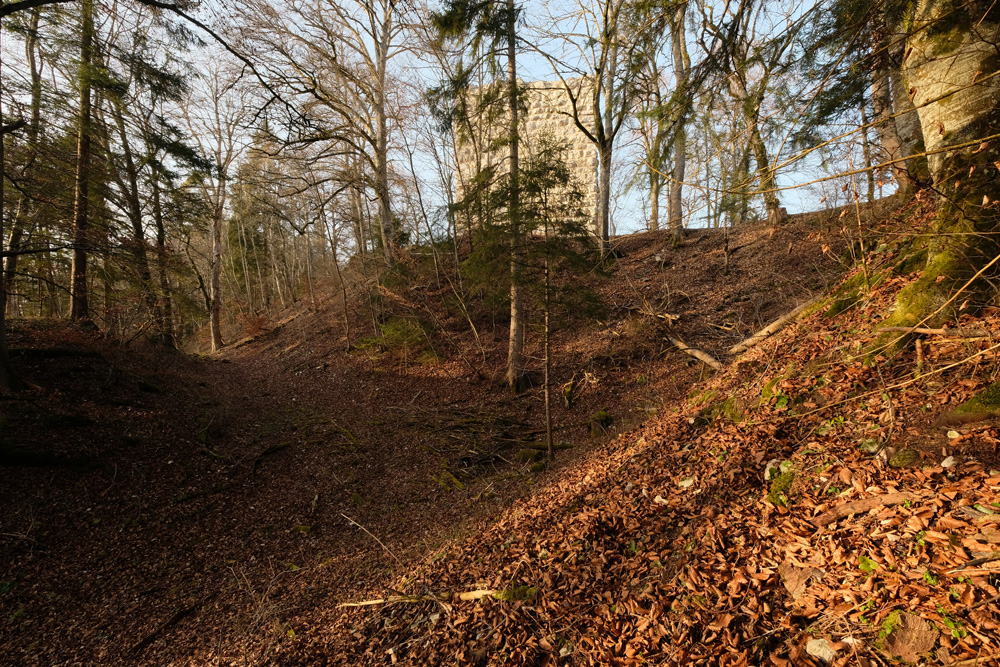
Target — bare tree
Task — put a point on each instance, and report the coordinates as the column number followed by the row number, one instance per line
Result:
column 592, row 49
column 335, row 57
column 216, row 116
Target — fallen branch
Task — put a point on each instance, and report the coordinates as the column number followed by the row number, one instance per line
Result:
column 695, row 352
column 976, row 562
column 390, row 600
column 772, row 328
column 648, row 311
column 968, row 333
column 172, row 621
column 440, row 598
column 978, row 661
column 858, row 506
column 983, row 603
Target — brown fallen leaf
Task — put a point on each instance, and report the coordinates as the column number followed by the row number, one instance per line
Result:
column 910, row 637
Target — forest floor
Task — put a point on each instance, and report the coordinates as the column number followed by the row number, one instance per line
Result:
column 162, row 508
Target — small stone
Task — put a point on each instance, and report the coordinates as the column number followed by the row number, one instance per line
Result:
column 821, row 650
column 886, row 454
column 660, row 500
column 954, row 434
column 949, row 462
column 629, row 487
column 773, row 469
column 870, row 446
column 686, row 483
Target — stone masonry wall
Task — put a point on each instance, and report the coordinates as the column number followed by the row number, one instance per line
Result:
column 549, row 114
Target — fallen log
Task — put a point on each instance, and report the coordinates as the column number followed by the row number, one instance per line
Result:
column 695, row 352
column 858, row 506
column 772, row 328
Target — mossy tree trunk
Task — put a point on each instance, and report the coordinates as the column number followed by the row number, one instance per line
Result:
column 950, row 73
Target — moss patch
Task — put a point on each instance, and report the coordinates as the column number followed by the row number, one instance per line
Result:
column 851, row 292
column 982, row 406
column 600, row 422
column 780, row 487
column 729, row 408
column 903, row 458
column 515, row 593
column 910, row 262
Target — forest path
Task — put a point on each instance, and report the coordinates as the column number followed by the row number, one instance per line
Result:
column 184, row 503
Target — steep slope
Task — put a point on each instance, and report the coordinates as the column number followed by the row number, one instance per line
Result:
column 872, row 539
column 161, row 508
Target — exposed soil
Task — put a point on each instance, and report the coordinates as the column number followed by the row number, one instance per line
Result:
column 161, row 508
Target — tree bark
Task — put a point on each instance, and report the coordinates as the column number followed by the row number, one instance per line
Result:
column 130, row 192
column 167, row 320
column 9, row 380
column 682, row 66
column 24, row 207
column 885, row 124
column 387, row 226
column 81, row 219
column 950, row 52
column 215, row 281
column 907, row 120
column 515, row 347
column 654, row 200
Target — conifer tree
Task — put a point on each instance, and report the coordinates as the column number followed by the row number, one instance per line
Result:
column 494, row 24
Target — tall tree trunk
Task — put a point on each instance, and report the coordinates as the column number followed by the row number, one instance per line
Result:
column 81, row 219
column 605, row 154
column 765, row 175
column 387, row 228
column 949, row 54
column 215, row 281
column 907, row 119
column 655, row 182
column 515, row 347
column 605, row 149
column 25, row 206
column 550, row 444
column 866, row 152
column 167, row 321
column 133, row 205
column 885, row 124
column 9, row 380
column 682, row 65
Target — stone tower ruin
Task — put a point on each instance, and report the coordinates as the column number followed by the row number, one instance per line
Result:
column 549, row 115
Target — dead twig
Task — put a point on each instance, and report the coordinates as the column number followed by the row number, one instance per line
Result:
column 695, row 352
column 983, row 603
column 772, row 328
column 976, row 562
column 380, row 543
column 172, row 621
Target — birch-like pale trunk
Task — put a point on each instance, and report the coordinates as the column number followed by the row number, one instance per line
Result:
column 951, row 70
column 515, row 347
